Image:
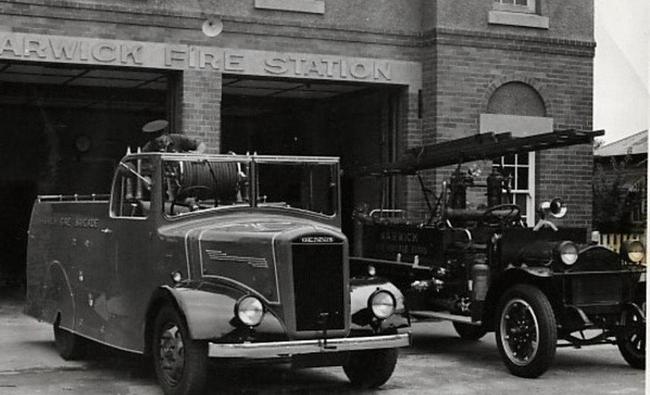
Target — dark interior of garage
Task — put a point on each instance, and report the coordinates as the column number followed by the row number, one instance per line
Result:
column 355, row 122
column 65, row 127
column 63, row 130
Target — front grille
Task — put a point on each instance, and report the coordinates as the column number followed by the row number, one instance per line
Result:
column 597, row 290
column 595, row 258
column 318, row 286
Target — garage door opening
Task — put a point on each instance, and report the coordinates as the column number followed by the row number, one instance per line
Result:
column 64, row 127
column 356, row 122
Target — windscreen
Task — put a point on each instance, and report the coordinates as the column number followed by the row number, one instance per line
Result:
column 306, row 186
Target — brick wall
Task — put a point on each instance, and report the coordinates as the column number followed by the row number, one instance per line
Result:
column 200, row 110
column 463, row 58
column 462, row 69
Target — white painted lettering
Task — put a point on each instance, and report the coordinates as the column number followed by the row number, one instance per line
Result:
column 275, row 66
column 233, row 62
column 297, row 65
column 175, row 54
column 84, row 51
column 131, row 51
column 329, row 66
column 104, row 52
column 34, row 45
column 9, row 44
column 314, row 68
column 209, row 57
column 359, row 70
column 382, row 71
column 193, row 57
column 63, row 49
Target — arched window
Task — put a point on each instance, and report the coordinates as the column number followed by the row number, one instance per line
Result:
column 518, row 108
column 516, row 98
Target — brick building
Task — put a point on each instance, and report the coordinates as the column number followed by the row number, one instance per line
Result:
column 363, row 80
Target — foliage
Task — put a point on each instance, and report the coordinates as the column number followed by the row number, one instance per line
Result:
column 614, row 201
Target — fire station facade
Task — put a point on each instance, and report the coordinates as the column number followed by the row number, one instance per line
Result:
column 363, row 80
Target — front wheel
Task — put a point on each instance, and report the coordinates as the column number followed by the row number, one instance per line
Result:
column 526, row 331
column 631, row 339
column 180, row 362
column 469, row 332
column 370, row 368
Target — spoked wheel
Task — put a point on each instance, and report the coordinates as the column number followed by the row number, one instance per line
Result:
column 631, row 339
column 469, row 332
column 370, row 368
column 180, row 362
column 526, row 332
column 68, row 345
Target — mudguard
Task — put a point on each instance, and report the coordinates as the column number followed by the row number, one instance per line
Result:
column 536, row 271
column 211, row 315
column 54, row 298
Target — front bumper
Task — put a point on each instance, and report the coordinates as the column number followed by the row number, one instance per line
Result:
column 296, row 347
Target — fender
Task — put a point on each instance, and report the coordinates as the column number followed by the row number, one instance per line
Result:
column 210, row 314
column 535, row 271
column 58, row 298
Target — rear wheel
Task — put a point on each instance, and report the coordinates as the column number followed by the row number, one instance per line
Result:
column 68, row 345
column 180, row 362
column 526, row 331
column 469, row 332
column 631, row 339
column 370, row 368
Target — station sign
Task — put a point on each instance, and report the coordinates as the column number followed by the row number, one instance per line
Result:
column 96, row 51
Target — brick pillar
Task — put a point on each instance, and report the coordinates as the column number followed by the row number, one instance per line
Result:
column 199, row 107
column 411, row 198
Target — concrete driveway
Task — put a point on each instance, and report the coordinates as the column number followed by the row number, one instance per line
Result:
column 438, row 363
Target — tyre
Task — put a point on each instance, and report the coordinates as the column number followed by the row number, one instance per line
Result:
column 631, row 339
column 526, row 331
column 469, row 332
column 370, row 368
column 180, row 363
column 68, row 345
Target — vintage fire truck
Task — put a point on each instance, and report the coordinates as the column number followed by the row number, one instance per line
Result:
column 193, row 257
column 483, row 269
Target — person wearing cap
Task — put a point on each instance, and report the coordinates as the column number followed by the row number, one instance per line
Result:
column 170, row 142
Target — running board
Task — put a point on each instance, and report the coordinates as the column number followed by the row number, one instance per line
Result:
column 444, row 316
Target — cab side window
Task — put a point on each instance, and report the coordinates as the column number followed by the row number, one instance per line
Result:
column 132, row 189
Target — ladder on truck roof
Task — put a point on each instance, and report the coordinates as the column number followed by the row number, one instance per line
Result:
column 476, row 147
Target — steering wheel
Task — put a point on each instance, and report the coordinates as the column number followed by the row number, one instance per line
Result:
column 500, row 215
column 185, row 192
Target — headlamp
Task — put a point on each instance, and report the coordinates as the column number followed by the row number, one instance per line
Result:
column 382, row 304
column 633, row 251
column 249, row 310
column 568, row 253
column 177, row 277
